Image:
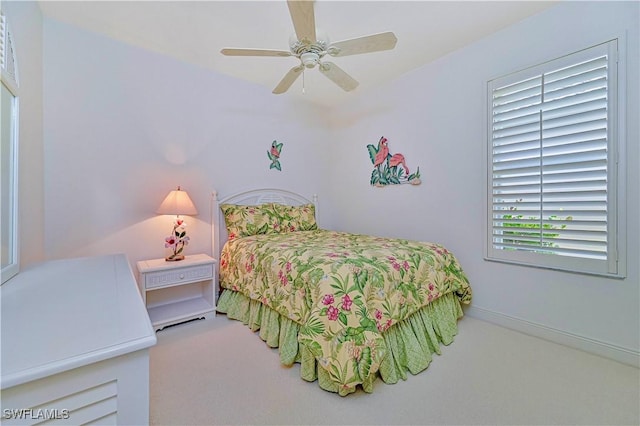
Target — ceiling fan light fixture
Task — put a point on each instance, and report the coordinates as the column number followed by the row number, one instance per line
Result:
column 310, row 59
column 311, row 45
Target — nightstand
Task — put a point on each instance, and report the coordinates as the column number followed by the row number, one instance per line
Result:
column 175, row 292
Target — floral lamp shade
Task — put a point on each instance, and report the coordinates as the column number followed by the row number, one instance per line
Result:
column 177, row 203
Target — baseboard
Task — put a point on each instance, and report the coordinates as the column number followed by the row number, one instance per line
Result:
column 607, row 350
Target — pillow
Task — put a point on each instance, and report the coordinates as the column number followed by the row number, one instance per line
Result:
column 243, row 221
column 297, row 218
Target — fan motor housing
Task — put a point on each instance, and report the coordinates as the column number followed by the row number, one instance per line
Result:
column 310, row 59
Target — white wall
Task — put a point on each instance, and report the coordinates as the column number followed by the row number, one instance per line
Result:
column 124, row 126
column 435, row 116
column 25, row 21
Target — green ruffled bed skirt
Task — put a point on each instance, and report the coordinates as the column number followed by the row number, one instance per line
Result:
column 410, row 343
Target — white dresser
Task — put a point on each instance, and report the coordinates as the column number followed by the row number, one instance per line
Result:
column 75, row 344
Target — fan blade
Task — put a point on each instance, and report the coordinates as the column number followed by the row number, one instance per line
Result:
column 366, row 44
column 303, row 19
column 338, row 76
column 254, row 52
column 288, row 80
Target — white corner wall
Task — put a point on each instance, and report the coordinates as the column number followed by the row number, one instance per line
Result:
column 124, row 126
column 25, row 21
column 436, row 117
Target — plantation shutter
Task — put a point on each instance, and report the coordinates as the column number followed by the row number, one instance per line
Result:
column 2, row 40
column 551, row 139
column 7, row 58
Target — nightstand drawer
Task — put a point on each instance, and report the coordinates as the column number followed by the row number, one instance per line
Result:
column 178, row 276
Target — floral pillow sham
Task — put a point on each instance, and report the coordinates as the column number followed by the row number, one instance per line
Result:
column 297, row 218
column 243, row 221
column 270, row 218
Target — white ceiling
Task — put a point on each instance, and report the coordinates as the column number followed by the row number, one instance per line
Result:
column 195, row 31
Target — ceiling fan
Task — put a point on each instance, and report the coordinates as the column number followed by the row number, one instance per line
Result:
column 311, row 48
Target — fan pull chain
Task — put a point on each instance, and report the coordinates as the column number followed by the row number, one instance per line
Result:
column 303, row 73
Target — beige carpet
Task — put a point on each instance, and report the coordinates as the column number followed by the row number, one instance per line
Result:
column 216, row 371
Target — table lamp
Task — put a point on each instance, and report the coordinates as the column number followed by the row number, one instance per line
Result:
column 177, row 203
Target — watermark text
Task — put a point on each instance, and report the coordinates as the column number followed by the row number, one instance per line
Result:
column 35, row 414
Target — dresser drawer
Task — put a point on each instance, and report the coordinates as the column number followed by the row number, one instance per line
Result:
column 178, row 276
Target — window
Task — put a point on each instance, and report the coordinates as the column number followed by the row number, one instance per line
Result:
column 553, row 164
column 9, row 155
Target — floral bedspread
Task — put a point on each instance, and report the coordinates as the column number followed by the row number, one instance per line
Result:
column 343, row 289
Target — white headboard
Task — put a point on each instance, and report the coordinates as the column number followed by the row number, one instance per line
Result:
column 252, row 197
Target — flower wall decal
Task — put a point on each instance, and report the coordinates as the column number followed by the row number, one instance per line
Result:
column 390, row 169
column 274, row 155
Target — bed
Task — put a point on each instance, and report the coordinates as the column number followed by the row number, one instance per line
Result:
column 349, row 308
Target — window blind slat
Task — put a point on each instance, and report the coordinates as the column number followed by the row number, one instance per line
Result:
column 569, row 119
column 525, row 163
column 573, row 224
column 577, row 99
column 504, row 122
column 563, row 130
column 600, row 255
column 579, row 157
column 576, row 166
column 526, row 127
column 508, row 99
column 554, row 238
column 571, row 108
column 501, row 114
column 516, row 87
column 516, row 146
column 598, row 61
column 595, row 87
column 572, row 175
column 575, row 80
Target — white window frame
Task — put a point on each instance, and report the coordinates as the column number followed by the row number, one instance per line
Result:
column 9, row 80
column 614, row 263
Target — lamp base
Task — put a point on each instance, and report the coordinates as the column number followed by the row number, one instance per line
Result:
column 174, row 258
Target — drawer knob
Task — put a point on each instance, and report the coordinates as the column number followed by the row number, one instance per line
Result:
column 181, row 276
